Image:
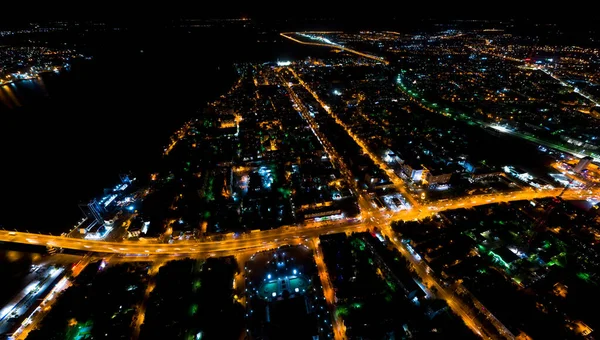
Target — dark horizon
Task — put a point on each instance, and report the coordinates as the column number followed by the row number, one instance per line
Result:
column 409, row 14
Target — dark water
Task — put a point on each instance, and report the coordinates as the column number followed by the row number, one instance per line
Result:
column 66, row 137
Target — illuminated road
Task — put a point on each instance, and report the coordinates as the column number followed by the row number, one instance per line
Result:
column 457, row 306
column 140, row 315
column 268, row 239
column 339, row 329
column 27, row 298
column 331, row 153
column 281, row 236
column 33, row 320
column 343, row 48
column 398, row 183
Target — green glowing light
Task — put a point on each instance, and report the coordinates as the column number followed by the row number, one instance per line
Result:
column 285, row 192
column 79, row 331
column 498, row 259
column 209, row 194
column 193, row 309
column 341, row 311
column 547, row 244
column 357, row 243
column 583, row 276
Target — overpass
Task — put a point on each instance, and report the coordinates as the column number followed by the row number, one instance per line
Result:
column 286, row 235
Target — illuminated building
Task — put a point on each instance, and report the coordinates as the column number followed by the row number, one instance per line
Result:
column 93, row 211
column 437, row 177
column 414, row 174
column 583, row 163
column 518, row 173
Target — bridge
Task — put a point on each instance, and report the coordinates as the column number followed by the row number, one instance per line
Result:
column 285, row 235
column 340, row 47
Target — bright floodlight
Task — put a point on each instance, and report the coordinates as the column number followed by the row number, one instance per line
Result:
column 130, row 208
column 295, row 271
column 297, row 290
column 501, row 128
column 284, row 63
column 269, row 276
column 274, row 294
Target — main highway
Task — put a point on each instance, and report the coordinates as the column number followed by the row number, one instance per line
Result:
column 285, row 235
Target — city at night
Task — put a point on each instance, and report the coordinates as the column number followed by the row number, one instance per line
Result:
column 239, row 173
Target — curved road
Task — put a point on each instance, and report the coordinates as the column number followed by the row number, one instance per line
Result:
column 285, row 235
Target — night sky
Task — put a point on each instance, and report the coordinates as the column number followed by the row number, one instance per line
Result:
column 147, row 12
